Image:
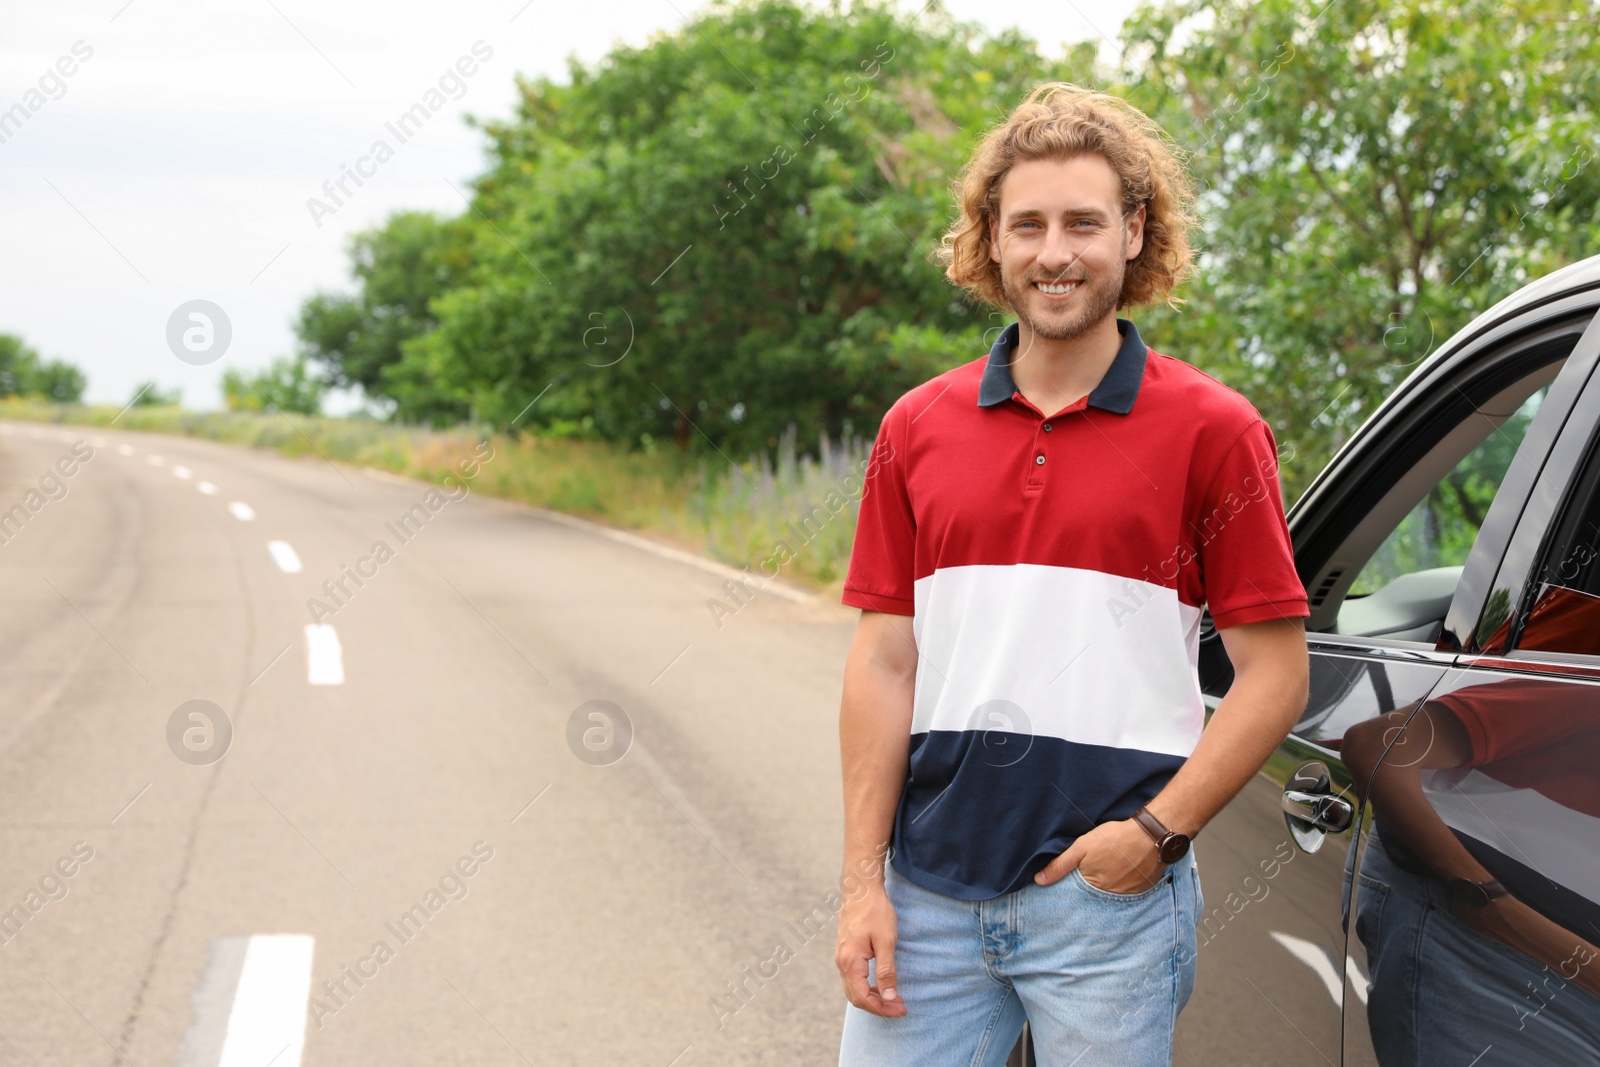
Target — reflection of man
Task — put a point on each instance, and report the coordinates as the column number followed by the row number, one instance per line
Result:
column 1481, row 883
column 1054, row 517
column 1562, row 620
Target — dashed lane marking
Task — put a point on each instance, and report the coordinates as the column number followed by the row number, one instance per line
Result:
column 268, row 1021
column 324, row 655
column 283, row 554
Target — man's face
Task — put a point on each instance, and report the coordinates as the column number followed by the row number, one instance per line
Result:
column 1061, row 225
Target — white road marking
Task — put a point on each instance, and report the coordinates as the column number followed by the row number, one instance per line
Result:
column 126, row 450
column 283, row 555
column 211, row 1000
column 324, row 656
column 1358, row 981
column 1317, row 958
column 242, row 511
column 182, row 472
column 268, row 1020
column 207, row 488
column 154, row 461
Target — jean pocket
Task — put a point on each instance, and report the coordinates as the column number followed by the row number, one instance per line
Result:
column 1106, row 894
column 1370, row 900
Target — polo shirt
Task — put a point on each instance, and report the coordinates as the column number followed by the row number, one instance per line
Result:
column 1055, row 567
column 1526, row 791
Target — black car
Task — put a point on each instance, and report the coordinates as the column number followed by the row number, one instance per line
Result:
column 1442, row 789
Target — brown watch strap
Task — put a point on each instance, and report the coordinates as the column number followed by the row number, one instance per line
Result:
column 1152, row 825
column 1170, row 846
column 1476, row 894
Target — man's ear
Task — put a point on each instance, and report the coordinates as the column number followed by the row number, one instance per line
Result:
column 994, row 238
column 1135, row 228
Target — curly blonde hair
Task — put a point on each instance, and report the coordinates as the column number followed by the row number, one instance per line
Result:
column 1059, row 120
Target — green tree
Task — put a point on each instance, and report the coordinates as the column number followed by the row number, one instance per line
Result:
column 148, row 394
column 288, row 384
column 1373, row 176
column 23, row 373
column 727, row 230
column 357, row 338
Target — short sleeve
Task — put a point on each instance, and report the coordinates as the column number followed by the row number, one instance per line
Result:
column 1246, row 558
column 1516, row 718
column 882, row 560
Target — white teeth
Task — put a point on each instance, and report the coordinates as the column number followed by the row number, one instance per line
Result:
column 1056, row 289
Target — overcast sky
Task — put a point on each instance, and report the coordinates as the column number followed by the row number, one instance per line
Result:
column 166, row 149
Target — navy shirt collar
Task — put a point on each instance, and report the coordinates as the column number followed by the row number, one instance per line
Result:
column 1116, row 391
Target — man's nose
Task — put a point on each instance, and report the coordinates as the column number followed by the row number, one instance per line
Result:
column 1059, row 252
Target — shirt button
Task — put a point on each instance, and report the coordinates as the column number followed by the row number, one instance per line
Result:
column 1047, row 427
column 1038, row 459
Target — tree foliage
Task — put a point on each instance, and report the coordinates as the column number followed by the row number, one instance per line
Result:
column 357, row 338
column 288, row 384
column 713, row 236
column 149, row 394
column 1374, row 175
column 24, row 373
column 730, row 229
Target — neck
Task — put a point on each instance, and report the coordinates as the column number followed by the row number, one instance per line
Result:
column 1068, row 368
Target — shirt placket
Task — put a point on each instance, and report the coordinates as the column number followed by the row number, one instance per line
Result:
column 1039, row 456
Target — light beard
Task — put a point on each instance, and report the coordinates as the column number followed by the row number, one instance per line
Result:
column 1093, row 301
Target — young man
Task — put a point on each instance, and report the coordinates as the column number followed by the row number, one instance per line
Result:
column 1027, row 746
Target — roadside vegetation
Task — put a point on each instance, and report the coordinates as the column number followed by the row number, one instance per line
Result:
column 734, row 514
column 680, row 253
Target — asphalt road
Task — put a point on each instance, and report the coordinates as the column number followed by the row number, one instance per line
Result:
column 618, row 899
column 408, row 851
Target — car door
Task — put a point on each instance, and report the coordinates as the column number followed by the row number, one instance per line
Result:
column 1403, row 530
column 1494, row 781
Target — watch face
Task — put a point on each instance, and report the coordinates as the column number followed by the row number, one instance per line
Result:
column 1173, row 848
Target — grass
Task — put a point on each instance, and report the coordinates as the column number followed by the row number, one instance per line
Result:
column 779, row 513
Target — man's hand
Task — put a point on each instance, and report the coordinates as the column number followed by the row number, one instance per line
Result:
column 867, row 930
column 1118, row 857
column 1514, row 923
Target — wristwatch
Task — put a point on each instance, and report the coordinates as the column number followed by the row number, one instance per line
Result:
column 1170, row 845
column 1475, row 894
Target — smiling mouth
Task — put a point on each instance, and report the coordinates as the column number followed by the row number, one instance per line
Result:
column 1057, row 290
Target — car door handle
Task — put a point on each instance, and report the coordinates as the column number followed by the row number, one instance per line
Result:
column 1326, row 811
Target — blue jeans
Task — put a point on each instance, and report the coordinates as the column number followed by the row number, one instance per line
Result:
column 1100, row 977
column 1442, row 992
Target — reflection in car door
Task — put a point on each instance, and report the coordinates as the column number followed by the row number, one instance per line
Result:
column 1275, row 973
column 1478, row 910
column 1271, row 976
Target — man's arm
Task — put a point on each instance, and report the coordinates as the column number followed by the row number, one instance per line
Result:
column 1387, row 757
column 874, row 742
column 1271, row 683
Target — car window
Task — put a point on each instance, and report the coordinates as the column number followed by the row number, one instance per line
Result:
column 1440, row 529
column 1565, row 612
column 1413, row 544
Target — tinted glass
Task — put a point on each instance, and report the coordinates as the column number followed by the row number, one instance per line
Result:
column 1565, row 613
column 1440, row 529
